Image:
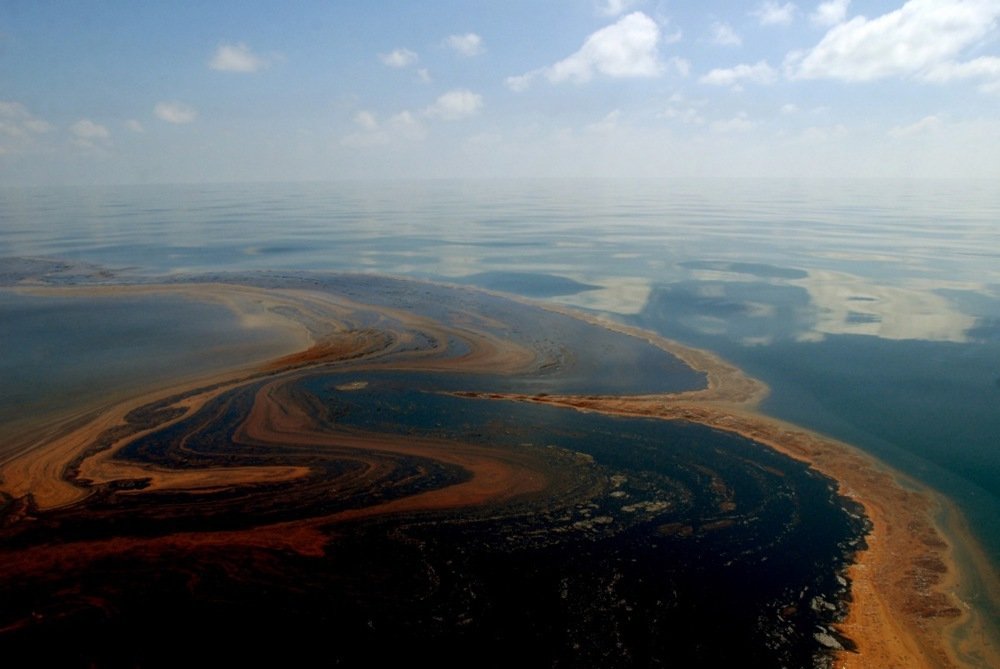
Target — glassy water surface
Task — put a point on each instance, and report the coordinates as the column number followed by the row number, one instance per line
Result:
column 872, row 308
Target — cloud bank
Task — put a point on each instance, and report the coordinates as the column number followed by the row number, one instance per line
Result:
column 920, row 39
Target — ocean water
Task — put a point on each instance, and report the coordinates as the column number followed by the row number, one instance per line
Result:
column 872, row 308
column 59, row 350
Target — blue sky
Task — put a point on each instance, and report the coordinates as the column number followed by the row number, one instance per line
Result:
column 124, row 92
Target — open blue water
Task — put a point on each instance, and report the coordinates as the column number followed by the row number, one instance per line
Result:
column 872, row 308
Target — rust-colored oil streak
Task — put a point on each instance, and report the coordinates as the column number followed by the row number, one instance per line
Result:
column 497, row 475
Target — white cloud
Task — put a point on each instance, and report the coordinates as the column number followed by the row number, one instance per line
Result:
column 237, row 58
column 424, row 75
column 738, row 123
column 724, row 35
column 16, row 122
column 134, row 125
column 627, row 48
column 370, row 134
column 682, row 66
column 830, row 13
column 616, row 7
column 674, row 37
column 770, row 13
column 521, row 82
column 36, row 125
column 985, row 67
column 403, row 125
column 789, row 108
column 926, row 124
column 366, row 120
column 89, row 135
column 407, row 126
column 606, row 124
column 455, row 105
column 915, row 40
column 688, row 115
column 758, row 73
column 398, row 58
column 469, row 44
column 175, row 112
column 681, row 109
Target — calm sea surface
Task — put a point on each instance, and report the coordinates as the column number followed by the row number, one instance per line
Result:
column 872, row 308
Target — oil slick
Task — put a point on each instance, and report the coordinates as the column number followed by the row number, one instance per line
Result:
column 438, row 470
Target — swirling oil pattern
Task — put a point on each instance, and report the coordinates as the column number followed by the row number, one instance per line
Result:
column 416, row 484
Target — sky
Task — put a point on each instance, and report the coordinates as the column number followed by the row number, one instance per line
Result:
column 148, row 92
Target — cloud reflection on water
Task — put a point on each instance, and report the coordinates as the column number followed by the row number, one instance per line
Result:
column 847, row 304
